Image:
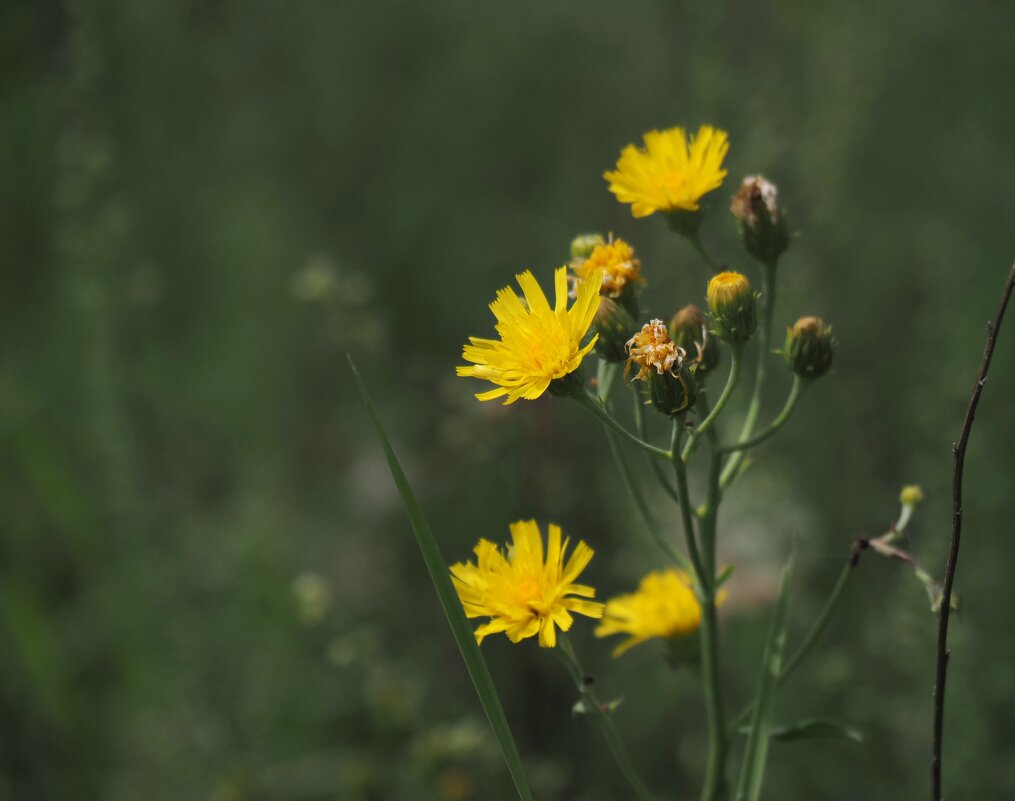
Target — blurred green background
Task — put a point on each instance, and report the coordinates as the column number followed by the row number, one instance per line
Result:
column 208, row 588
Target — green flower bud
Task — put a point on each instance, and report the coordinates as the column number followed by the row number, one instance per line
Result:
column 615, row 327
column 763, row 227
column 732, row 302
column 583, row 245
column 672, row 393
column 911, row 495
column 689, row 329
column 809, row 347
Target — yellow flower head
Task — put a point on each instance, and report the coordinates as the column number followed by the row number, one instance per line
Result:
column 728, row 290
column 670, row 173
column 663, row 606
column 616, row 261
column 526, row 592
column 537, row 343
column 651, row 348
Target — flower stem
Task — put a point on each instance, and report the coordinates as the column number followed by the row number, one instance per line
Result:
column 715, row 777
column 680, row 473
column 595, row 406
column 639, row 501
column 642, row 429
column 594, row 708
column 706, row 425
column 795, row 393
column 764, row 336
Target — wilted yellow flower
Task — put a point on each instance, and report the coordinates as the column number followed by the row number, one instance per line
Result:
column 663, row 606
column 526, row 592
column 537, row 343
column 670, row 173
column 651, row 348
column 616, row 261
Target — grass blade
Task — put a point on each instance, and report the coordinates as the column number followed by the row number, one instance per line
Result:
column 752, row 771
column 460, row 627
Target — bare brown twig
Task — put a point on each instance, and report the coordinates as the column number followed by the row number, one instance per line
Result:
column 959, row 459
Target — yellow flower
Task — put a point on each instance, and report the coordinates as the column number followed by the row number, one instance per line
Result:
column 525, row 592
column 663, row 606
column 537, row 344
column 670, row 173
column 616, row 261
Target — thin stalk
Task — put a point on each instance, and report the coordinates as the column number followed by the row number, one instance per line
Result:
column 639, row 501
column 642, row 429
column 604, row 721
column 718, row 743
column 684, row 495
column 715, row 780
column 760, row 376
column 706, row 425
column 795, row 393
column 593, row 405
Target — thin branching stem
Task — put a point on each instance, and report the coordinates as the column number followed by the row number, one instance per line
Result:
column 595, row 406
column 730, row 471
column 795, row 393
column 706, row 425
column 959, row 462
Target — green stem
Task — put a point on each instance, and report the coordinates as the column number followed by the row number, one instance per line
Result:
column 604, row 721
column 706, row 425
column 593, row 405
column 639, row 501
column 795, row 393
column 804, row 649
column 606, row 373
column 642, row 429
column 684, row 502
column 718, row 742
column 764, row 336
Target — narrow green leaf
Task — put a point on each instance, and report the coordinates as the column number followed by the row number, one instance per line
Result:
column 811, row 729
column 460, row 627
column 723, row 577
column 815, row 728
column 752, row 771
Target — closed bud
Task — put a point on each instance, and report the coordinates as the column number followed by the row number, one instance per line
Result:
column 661, row 363
column 911, row 495
column 583, row 245
column 689, row 329
column 809, row 347
column 615, row 327
column 732, row 303
column 763, row 227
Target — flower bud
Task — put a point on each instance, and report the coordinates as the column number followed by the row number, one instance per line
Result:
column 763, row 227
column 689, row 329
column 911, row 495
column 583, row 245
column 732, row 303
column 809, row 347
column 615, row 327
column 671, row 387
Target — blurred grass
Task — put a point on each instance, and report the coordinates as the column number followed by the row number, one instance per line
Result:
column 203, row 206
